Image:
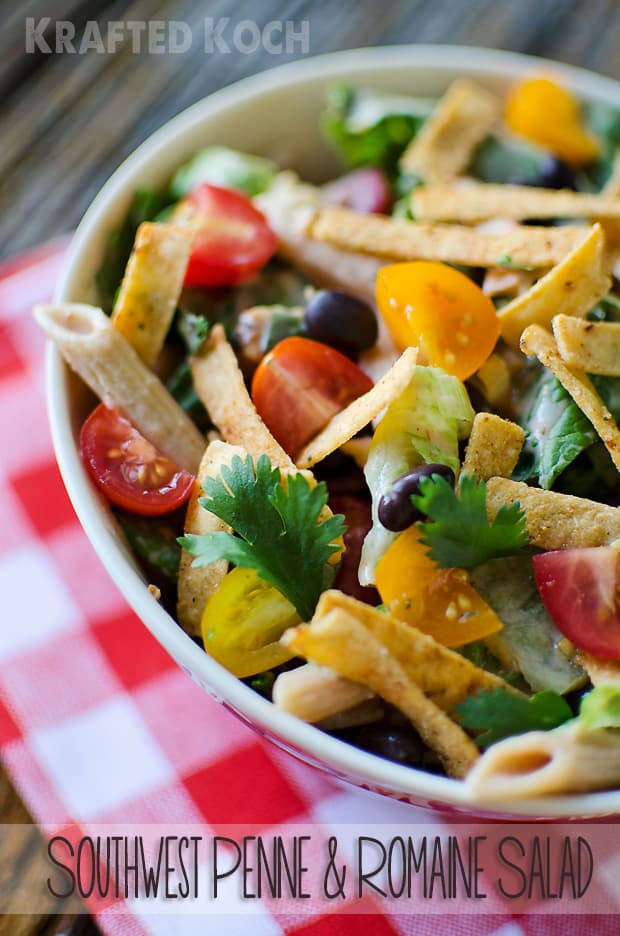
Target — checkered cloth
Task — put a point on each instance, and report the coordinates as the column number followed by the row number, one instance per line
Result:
column 98, row 724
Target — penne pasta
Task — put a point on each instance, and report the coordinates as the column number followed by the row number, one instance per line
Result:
column 108, row 364
column 314, row 693
column 541, row 763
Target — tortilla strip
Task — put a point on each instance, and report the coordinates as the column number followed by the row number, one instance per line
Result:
column 349, row 421
column 537, row 341
column 480, row 201
column 220, row 385
column 196, row 584
column 398, row 239
column 573, row 287
column 556, row 521
column 494, row 447
column 151, row 287
column 541, row 763
column 448, row 139
column 592, row 346
column 601, row 672
column 361, row 656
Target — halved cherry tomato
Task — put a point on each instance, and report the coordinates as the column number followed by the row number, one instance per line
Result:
column 580, row 589
column 440, row 602
column 129, row 470
column 544, row 112
column 441, row 311
column 232, row 239
column 300, row 385
column 243, row 621
column 366, row 190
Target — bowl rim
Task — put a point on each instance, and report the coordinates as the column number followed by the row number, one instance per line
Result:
column 299, row 738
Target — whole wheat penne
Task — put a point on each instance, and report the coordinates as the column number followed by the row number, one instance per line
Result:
column 314, row 693
column 592, row 346
column 195, row 584
column 444, row 146
column 542, row 763
column 554, row 520
column 398, row 239
column 108, row 364
column 151, row 287
column 480, row 201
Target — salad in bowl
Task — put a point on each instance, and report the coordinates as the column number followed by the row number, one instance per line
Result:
column 362, row 436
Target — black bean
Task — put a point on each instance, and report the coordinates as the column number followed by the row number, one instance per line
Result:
column 396, row 509
column 402, row 745
column 340, row 320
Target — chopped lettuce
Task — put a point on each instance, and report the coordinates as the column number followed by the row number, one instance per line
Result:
column 227, row 167
column 529, row 639
column 600, row 708
column 557, row 432
column 604, row 121
column 501, row 161
column 371, row 128
column 154, row 541
column 423, row 426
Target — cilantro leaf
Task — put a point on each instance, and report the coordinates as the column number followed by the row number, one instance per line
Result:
column 460, row 535
column 276, row 525
column 500, row 714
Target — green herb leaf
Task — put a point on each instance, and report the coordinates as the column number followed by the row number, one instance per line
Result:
column 277, row 530
column 508, row 263
column 460, row 535
column 154, row 541
column 499, row 714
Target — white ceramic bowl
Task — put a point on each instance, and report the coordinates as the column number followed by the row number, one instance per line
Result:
column 277, row 114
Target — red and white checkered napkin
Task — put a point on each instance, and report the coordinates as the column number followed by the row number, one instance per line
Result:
column 97, row 724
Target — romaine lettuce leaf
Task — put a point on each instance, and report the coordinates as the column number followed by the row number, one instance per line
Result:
column 600, row 708
column 422, row 426
column 227, row 167
column 501, row 161
column 529, row 639
column 557, row 432
column 370, row 128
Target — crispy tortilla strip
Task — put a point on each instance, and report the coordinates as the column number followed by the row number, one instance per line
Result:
column 446, row 143
column 592, row 346
column 537, row 341
column 220, row 385
column 314, row 693
column 151, row 287
column 359, row 655
column 541, row 763
column 556, row 521
column 601, row 672
column 195, row 585
column 348, row 422
column 494, row 447
column 399, row 663
column 480, row 201
column 573, row 287
column 398, row 239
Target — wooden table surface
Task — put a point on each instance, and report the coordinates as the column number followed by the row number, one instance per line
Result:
column 68, row 120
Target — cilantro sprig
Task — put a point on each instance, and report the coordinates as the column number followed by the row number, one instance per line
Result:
column 459, row 534
column 498, row 714
column 277, row 533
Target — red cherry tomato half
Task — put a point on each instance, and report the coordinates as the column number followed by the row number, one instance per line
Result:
column 366, row 190
column 300, row 385
column 580, row 590
column 232, row 240
column 128, row 469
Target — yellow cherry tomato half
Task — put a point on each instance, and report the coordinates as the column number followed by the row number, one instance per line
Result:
column 439, row 602
column 439, row 310
column 547, row 114
column 243, row 621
